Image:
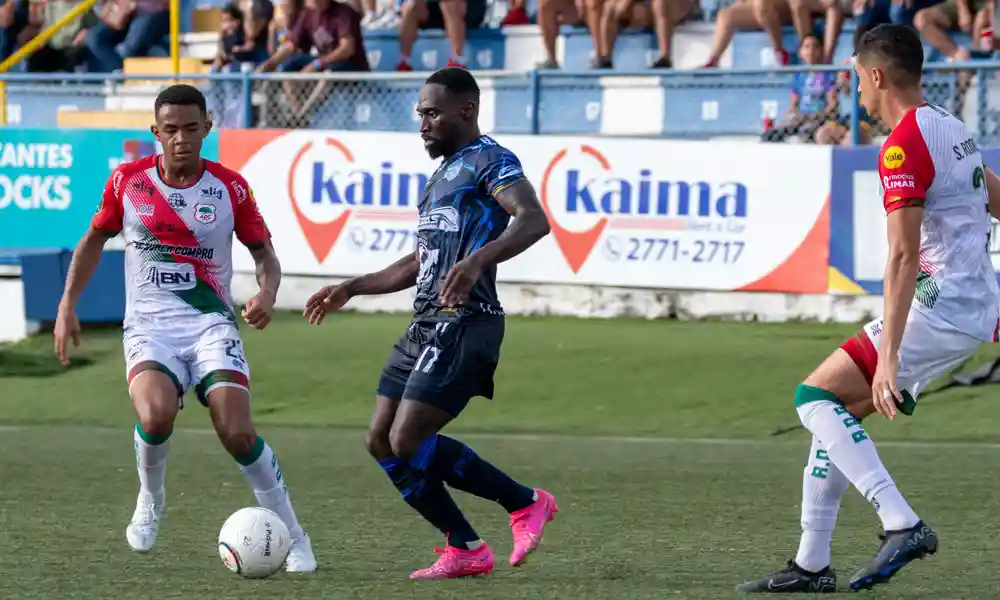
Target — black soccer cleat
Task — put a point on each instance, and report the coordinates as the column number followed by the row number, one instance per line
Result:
column 898, row 549
column 792, row 580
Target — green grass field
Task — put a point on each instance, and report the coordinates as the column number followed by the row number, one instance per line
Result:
column 655, row 437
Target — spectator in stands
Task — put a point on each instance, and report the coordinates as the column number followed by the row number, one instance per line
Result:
column 771, row 15
column 334, row 31
column 551, row 14
column 236, row 46
column 663, row 15
column 970, row 16
column 67, row 48
column 456, row 17
column 127, row 28
column 283, row 23
column 517, row 14
column 13, row 21
column 837, row 132
column 379, row 14
column 869, row 13
column 814, row 97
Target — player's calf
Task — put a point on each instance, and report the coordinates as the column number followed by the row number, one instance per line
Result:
column 155, row 397
column 230, row 409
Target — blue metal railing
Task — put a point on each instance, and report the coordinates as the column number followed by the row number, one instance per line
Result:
column 691, row 104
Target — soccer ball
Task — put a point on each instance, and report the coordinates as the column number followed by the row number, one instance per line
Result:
column 254, row 542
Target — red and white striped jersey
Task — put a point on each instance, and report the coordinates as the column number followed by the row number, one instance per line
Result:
column 931, row 158
column 178, row 253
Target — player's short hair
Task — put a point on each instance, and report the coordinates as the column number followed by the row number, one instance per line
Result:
column 181, row 95
column 896, row 49
column 456, row 80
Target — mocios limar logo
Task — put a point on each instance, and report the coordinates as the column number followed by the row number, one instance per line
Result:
column 584, row 193
column 32, row 176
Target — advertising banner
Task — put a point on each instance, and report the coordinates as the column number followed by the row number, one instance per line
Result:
column 858, row 243
column 635, row 213
column 51, row 180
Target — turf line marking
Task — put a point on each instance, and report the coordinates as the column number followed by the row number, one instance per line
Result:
column 546, row 437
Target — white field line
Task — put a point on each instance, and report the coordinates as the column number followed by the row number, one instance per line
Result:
column 549, row 438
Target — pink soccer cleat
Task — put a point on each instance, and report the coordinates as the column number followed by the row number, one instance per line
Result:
column 528, row 525
column 456, row 562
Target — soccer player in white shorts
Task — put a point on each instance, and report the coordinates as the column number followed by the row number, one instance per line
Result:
column 941, row 303
column 178, row 214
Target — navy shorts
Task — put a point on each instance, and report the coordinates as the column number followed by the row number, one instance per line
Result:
column 444, row 364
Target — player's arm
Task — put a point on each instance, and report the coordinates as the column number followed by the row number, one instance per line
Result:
column 251, row 230
column 106, row 224
column 528, row 226
column 993, row 192
column 901, row 270
column 504, row 180
column 397, row 277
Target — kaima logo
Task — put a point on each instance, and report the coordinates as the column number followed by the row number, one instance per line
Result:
column 583, row 194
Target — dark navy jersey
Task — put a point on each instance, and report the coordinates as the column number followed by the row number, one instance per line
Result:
column 459, row 215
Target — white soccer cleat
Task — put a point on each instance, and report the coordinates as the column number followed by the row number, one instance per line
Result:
column 300, row 556
column 145, row 524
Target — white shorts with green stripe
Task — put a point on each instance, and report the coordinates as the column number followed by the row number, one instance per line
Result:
column 208, row 359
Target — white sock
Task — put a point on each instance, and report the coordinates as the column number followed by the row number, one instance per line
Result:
column 150, row 460
column 823, row 486
column 264, row 476
column 853, row 452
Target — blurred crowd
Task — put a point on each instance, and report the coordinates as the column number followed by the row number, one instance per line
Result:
column 327, row 35
column 301, row 35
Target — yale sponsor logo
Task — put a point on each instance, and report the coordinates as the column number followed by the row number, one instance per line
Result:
column 893, row 157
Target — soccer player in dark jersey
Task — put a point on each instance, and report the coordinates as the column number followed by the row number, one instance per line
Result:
column 449, row 353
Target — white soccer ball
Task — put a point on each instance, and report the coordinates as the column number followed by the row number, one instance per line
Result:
column 254, row 542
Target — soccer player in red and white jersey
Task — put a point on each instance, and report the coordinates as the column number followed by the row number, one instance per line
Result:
column 941, row 303
column 178, row 214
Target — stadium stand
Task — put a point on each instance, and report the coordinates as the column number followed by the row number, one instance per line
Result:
column 743, row 97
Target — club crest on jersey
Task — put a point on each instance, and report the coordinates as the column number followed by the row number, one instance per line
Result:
column 453, row 171
column 213, row 192
column 144, row 210
column 177, row 201
column 204, row 213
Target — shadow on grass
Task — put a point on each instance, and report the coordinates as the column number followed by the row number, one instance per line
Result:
column 28, row 364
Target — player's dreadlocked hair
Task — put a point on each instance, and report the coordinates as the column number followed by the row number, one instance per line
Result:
column 181, row 95
column 896, row 49
column 456, row 80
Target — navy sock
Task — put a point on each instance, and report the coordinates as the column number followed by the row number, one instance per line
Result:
column 460, row 467
column 428, row 496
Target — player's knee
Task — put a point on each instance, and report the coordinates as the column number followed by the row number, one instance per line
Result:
column 377, row 443
column 159, row 423
column 238, row 441
column 404, row 445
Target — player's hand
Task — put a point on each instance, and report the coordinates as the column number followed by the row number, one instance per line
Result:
column 459, row 281
column 257, row 312
column 67, row 328
column 329, row 299
column 885, row 394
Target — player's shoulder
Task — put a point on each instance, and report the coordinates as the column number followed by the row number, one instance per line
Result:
column 135, row 166
column 124, row 171
column 489, row 150
column 238, row 186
